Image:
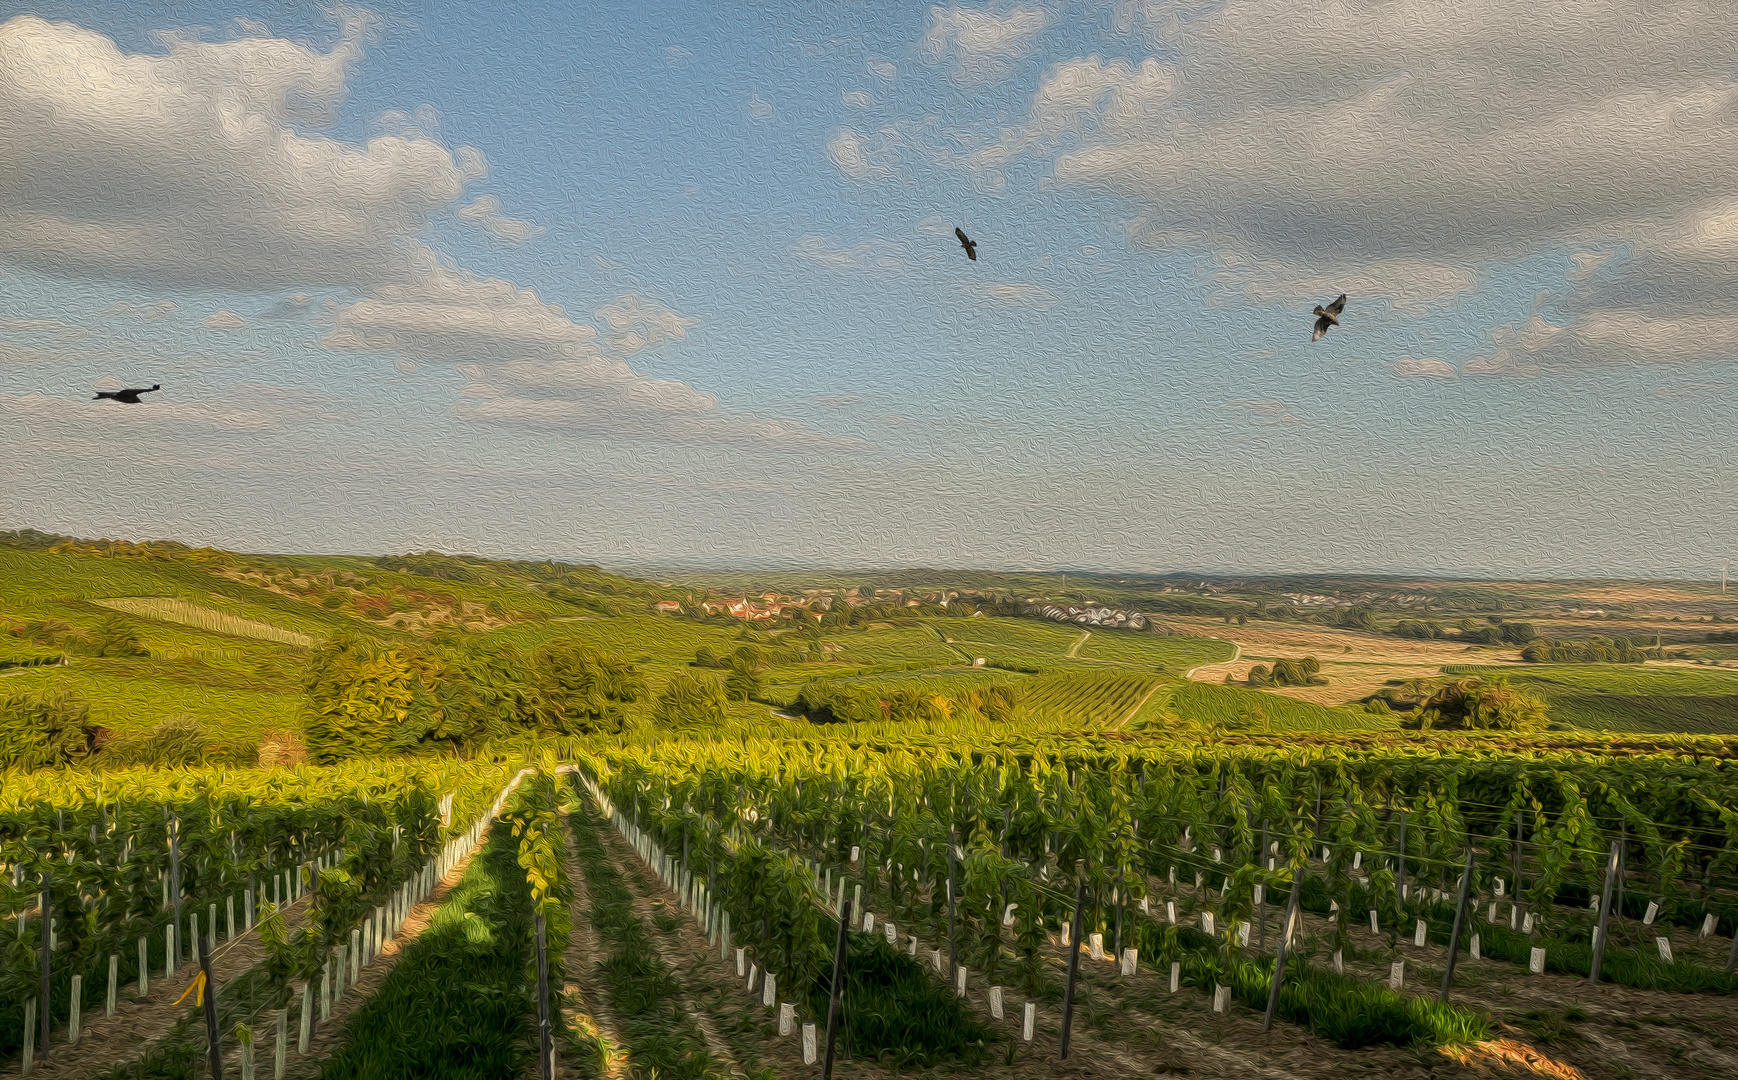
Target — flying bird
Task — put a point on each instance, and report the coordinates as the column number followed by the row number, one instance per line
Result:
column 125, row 397
column 968, row 243
column 1328, row 316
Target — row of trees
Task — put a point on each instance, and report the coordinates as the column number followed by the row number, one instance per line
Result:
column 367, row 698
column 1305, row 672
column 1466, row 704
column 111, row 636
column 827, row 701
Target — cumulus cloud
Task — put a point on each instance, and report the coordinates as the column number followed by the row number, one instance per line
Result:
column 869, row 255
column 224, row 319
column 632, row 324
column 1265, row 412
column 1432, row 142
column 882, row 69
column 1428, row 367
column 1012, row 293
column 207, row 165
column 300, row 307
column 245, row 409
column 980, row 45
column 528, row 364
column 759, row 108
column 857, row 99
column 162, row 309
column 859, row 158
column 1410, row 285
column 676, row 55
column 485, row 213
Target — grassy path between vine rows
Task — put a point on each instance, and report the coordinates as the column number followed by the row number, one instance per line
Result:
column 651, row 1011
column 593, row 1049
column 106, row 1042
column 1547, row 1025
column 450, row 1004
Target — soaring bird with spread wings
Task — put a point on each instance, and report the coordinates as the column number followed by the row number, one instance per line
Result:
column 1328, row 316
column 125, row 397
column 968, row 243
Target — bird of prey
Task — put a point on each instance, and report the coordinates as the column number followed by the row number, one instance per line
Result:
column 1328, row 316
column 968, row 243
column 125, row 397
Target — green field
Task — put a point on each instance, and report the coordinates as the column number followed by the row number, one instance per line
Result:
column 131, row 698
column 1237, row 708
column 1629, row 697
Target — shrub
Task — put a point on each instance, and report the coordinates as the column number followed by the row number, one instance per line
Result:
column 690, row 703
column 52, row 727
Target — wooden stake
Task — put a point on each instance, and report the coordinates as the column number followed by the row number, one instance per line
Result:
column 546, row 1038
column 1073, row 969
column 1279, row 959
column 1459, row 924
column 1604, row 915
column 213, row 1039
column 837, row 990
column 47, row 929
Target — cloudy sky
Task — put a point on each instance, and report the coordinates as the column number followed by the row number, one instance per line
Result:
column 680, row 286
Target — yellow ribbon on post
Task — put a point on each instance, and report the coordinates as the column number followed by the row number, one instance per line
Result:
column 197, row 986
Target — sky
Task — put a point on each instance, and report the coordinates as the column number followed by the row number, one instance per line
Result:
column 679, row 285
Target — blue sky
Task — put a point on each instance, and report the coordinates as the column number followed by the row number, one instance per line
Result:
column 680, row 285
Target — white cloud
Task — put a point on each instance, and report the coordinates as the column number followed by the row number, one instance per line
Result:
column 869, row 255
column 981, row 46
column 759, row 108
column 224, row 319
column 1012, row 293
column 300, row 307
column 632, row 324
column 857, row 99
column 1266, row 412
column 206, row 165
column 1414, row 286
column 162, row 309
column 485, row 213
column 530, row 365
column 882, row 69
column 853, row 154
column 238, row 410
column 676, row 55
column 1428, row 367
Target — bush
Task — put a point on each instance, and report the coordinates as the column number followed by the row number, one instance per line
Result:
column 113, row 636
column 52, row 727
column 1480, row 705
column 690, row 703
column 178, row 740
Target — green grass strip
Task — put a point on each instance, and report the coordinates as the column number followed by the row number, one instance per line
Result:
column 458, row 1005
column 647, row 999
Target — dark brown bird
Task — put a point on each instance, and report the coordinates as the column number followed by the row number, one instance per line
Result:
column 125, row 397
column 1328, row 316
column 968, row 243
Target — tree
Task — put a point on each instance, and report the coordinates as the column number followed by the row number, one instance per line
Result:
column 51, row 727
column 1474, row 704
column 582, row 688
column 114, row 636
column 691, row 702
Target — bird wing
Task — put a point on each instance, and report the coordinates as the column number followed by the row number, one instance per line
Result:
column 1338, row 305
column 961, row 233
column 1322, row 325
column 972, row 252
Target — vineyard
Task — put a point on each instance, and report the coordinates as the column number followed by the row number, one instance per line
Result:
column 187, row 613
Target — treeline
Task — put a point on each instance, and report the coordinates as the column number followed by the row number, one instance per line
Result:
column 1305, row 672
column 112, row 636
column 1466, row 704
column 367, row 698
column 1494, row 631
column 1593, row 650
column 827, row 701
